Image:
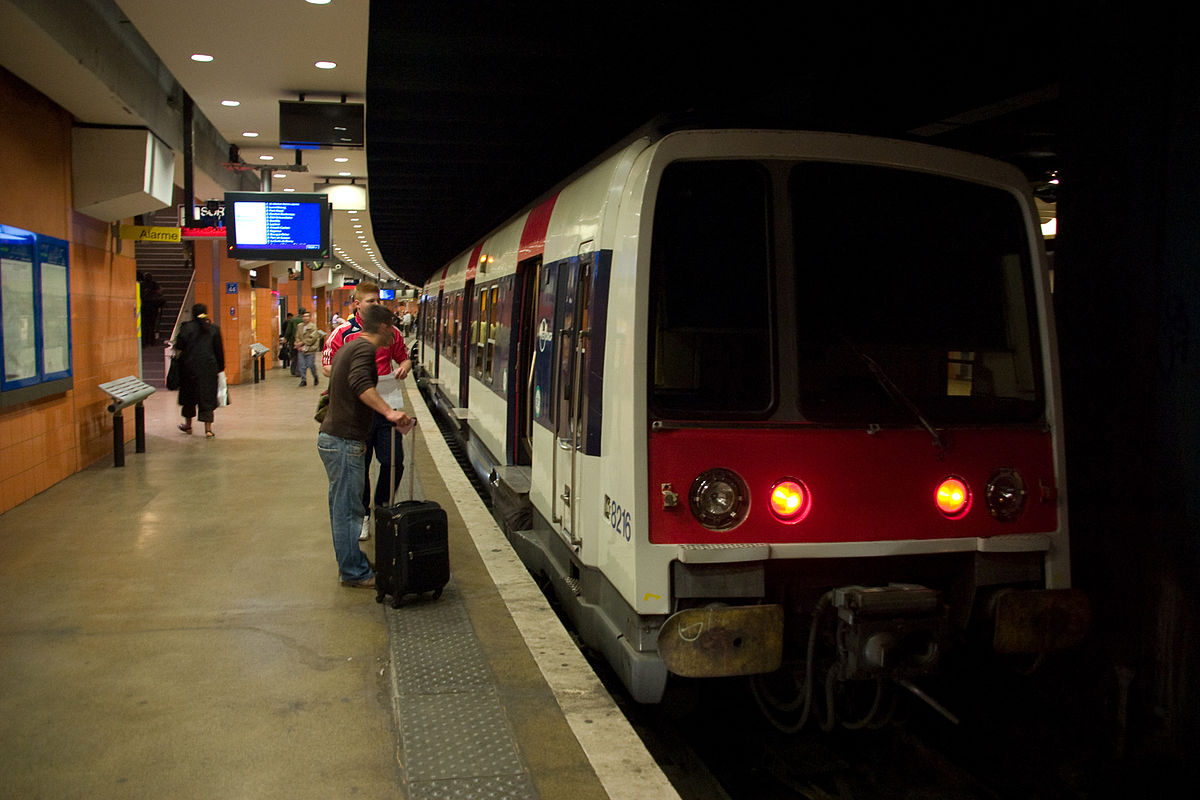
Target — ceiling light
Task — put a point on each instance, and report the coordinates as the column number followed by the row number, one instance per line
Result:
column 288, row 189
column 280, row 175
column 341, row 159
column 266, row 158
column 202, row 57
column 250, row 134
column 325, row 64
column 344, row 174
column 319, row 2
column 231, row 103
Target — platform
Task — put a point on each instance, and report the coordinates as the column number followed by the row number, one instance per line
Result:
column 176, row 628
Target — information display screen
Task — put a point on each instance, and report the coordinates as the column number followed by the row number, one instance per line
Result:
column 277, row 226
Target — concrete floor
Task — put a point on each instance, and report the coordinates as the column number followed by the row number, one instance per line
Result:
column 175, row 627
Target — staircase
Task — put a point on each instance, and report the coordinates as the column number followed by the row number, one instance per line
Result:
column 171, row 265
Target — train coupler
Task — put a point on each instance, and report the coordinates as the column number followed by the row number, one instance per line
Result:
column 887, row 631
column 722, row 641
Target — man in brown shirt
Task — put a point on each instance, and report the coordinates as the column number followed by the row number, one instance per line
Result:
column 353, row 399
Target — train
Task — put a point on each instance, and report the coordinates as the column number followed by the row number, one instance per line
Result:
column 767, row 403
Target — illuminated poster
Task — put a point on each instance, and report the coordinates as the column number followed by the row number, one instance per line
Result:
column 17, row 305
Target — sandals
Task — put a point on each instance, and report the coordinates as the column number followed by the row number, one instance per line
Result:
column 185, row 428
column 209, row 435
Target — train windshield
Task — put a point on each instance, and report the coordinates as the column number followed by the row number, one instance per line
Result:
column 912, row 290
column 710, row 307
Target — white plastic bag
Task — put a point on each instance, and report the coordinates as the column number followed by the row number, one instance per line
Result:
column 222, row 389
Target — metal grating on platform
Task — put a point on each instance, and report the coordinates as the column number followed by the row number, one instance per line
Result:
column 455, row 739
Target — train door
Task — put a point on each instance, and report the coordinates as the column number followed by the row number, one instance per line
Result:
column 436, row 333
column 525, row 294
column 468, row 325
column 574, row 302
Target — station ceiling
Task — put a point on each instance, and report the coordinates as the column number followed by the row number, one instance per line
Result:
column 474, row 111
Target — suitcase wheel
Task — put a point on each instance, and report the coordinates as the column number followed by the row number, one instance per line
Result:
column 378, row 598
column 437, row 593
column 396, row 601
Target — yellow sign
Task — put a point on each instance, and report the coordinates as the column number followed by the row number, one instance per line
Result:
column 144, row 233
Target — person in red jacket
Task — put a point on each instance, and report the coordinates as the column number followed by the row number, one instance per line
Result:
column 379, row 438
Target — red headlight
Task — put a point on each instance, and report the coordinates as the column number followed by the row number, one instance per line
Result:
column 790, row 500
column 953, row 497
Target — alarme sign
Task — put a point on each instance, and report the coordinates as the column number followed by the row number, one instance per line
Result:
column 210, row 221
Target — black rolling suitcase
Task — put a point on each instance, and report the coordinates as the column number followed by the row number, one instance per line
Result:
column 412, row 548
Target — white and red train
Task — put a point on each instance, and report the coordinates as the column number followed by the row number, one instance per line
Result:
column 770, row 403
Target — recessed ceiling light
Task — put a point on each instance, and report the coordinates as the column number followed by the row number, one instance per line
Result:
column 325, row 64
column 280, row 175
column 231, row 103
column 319, row 2
column 203, row 57
column 250, row 134
column 266, row 158
column 341, row 159
column 344, row 174
column 288, row 189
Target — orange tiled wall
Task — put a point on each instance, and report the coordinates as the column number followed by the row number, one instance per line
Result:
column 44, row 441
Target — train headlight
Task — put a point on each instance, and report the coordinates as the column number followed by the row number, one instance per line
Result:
column 790, row 500
column 953, row 497
column 1005, row 494
column 719, row 499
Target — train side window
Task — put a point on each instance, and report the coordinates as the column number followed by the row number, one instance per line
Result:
column 489, row 356
column 710, row 302
column 479, row 332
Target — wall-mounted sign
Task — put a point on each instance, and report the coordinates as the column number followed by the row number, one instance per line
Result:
column 231, row 287
column 147, row 233
column 209, row 220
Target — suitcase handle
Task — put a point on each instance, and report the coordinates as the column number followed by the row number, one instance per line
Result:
column 412, row 469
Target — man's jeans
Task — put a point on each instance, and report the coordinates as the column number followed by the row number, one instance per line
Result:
column 307, row 362
column 379, row 442
column 344, row 461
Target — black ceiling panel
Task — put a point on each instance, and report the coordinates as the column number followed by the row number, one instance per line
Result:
column 474, row 110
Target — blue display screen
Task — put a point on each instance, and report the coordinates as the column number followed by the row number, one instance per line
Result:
column 295, row 226
column 275, row 225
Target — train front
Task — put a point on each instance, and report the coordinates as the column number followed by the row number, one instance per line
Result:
column 855, row 436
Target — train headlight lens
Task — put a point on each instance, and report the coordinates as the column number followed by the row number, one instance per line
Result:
column 790, row 500
column 719, row 499
column 953, row 497
column 1005, row 494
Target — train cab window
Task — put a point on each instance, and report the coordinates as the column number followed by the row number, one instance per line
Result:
column 710, row 302
column 915, row 280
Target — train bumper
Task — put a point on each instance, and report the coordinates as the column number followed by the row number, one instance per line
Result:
column 1039, row 621
column 725, row 641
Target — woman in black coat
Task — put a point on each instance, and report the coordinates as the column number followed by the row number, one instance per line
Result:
column 201, row 356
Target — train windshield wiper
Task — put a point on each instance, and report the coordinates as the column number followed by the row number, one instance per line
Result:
column 897, row 395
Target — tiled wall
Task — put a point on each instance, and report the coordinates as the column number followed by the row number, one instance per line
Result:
column 44, row 441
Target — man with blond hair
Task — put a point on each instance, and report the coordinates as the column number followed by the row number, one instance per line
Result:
column 379, row 438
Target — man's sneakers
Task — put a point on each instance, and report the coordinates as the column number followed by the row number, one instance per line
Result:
column 366, row 529
column 365, row 583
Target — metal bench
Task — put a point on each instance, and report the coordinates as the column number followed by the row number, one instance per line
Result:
column 127, row 391
column 259, row 352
